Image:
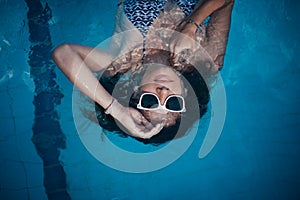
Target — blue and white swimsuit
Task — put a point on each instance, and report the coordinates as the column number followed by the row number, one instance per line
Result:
column 142, row 13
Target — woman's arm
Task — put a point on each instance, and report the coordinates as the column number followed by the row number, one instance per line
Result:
column 217, row 29
column 205, row 9
column 77, row 63
column 217, row 32
column 201, row 12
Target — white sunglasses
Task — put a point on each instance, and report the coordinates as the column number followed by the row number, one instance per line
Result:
column 150, row 101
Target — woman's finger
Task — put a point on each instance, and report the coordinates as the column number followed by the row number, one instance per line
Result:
column 141, row 121
column 157, row 128
column 172, row 46
column 148, row 125
column 137, row 119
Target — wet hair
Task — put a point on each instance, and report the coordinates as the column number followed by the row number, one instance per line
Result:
column 123, row 90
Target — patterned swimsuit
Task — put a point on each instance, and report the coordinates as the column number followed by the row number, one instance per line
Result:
column 142, row 13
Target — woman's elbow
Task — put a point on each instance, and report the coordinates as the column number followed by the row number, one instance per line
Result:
column 59, row 54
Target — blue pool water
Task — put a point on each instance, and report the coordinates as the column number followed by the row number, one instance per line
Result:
column 256, row 156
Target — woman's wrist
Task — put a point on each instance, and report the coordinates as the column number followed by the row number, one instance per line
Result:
column 193, row 24
column 188, row 29
column 115, row 109
column 109, row 107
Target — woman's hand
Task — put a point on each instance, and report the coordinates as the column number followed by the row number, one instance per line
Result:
column 134, row 123
column 184, row 38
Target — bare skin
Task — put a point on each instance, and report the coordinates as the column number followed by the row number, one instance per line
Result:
column 79, row 62
column 212, row 8
column 79, row 72
column 162, row 81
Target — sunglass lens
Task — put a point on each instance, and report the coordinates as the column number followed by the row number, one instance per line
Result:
column 174, row 103
column 149, row 101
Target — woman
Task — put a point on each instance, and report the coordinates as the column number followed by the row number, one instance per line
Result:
column 150, row 49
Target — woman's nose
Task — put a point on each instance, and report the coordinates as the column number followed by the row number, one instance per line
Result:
column 163, row 93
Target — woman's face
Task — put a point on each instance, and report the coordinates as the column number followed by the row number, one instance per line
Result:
column 162, row 81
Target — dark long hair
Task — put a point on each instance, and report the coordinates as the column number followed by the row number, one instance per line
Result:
column 123, row 90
